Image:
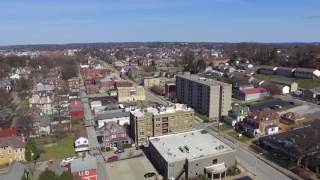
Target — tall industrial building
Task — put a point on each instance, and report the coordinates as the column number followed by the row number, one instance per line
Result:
column 206, row 96
column 152, row 122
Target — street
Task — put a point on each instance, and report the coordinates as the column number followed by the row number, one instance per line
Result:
column 247, row 159
column 92, row 136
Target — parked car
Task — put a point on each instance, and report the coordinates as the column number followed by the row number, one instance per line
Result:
column 119, row 151
column 112, row 158
column 149, row 174
column 66, row 161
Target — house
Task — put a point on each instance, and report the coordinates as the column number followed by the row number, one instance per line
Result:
column 74, row 95
column 259, row 123
column 275, row 89
column 81, row 142
column 306, row 73
column 12, row 148
column 290, row 120
column 84, row 168
column 289, row 144
column 239, row 111
column 44, row 88
column 292, row 85
column 73, row 83
column 6, row 84
column 112, row 134
column 251, row 94
column 7, row 132
column 44, row 103
column 268, row 70
column 285, row 71
column 76, row 110
column 312, row 94
column 95, row 104
column 41, row 125
column 119, row 116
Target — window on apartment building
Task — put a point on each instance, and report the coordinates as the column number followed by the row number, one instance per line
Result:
column 141, row 133
column 157, row 119
column 87, row 178
column 157, row 125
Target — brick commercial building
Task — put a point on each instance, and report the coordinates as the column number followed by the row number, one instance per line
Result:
column 128, row 94
column 159, row 121
column 190, row 155
column 206, row 96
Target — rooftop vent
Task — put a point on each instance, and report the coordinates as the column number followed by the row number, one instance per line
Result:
column 186, row 148
column 220, row 147
column 181, row 149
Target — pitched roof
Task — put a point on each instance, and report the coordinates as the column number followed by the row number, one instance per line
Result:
column 253, row 90
column 81, row 133
column 82, row 164
column 13, row 141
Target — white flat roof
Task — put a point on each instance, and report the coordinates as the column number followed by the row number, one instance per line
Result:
column 162, row 110
column 190, row 145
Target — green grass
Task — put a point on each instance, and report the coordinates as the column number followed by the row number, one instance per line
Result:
column 201, row 116
column 243, row 138
column 225, row 127
column 64, row 148
column 24, row 105
column 303, row 83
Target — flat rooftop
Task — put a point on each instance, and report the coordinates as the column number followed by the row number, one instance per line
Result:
column 190, row 145
column 162, row 110
column 203, row 80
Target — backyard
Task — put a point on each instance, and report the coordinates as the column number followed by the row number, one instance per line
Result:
column 303, row 83
column 61, row 149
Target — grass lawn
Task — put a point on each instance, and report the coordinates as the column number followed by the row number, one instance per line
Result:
column 201, row 116
column 303, row 83
column 64, row 148
column 225, row 127
column 243, row 138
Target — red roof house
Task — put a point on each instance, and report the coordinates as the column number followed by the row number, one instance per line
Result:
column 76, row 110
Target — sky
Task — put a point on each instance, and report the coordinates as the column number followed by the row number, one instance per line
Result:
column 86, row 21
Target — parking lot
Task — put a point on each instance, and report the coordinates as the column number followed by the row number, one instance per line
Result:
column 271, row 104
column 130, row 169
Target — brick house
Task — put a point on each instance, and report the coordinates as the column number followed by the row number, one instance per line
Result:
column 84, row 168
column 73, row 83
column 113, row 134
column 259, row 123
column 76, row 110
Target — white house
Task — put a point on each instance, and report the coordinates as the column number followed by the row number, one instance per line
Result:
column 81, row 142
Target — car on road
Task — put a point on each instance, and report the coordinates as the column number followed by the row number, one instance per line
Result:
column 112, row 158
column 149, row 174
column 119, row 151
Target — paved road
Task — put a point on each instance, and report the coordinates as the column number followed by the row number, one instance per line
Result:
column 92, row 137
column 247, row 159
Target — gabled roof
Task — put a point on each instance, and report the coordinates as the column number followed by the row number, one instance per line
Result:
column 81, row 164
column 81, row 133
column 13, row 141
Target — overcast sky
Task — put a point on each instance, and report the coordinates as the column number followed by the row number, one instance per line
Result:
column 81, row 21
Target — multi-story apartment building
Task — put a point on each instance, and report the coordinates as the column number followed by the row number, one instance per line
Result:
column 206, row 96
column 129, row 94
column 151, row 122
column 149, row 82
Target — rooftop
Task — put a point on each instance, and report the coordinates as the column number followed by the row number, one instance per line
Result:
column 112, row 114
column 162, row 110
column 202, row 80
column 81, row 164
column 253, row 90
column 190, row 145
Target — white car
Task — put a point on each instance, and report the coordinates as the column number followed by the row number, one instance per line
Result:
column 67, row 160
